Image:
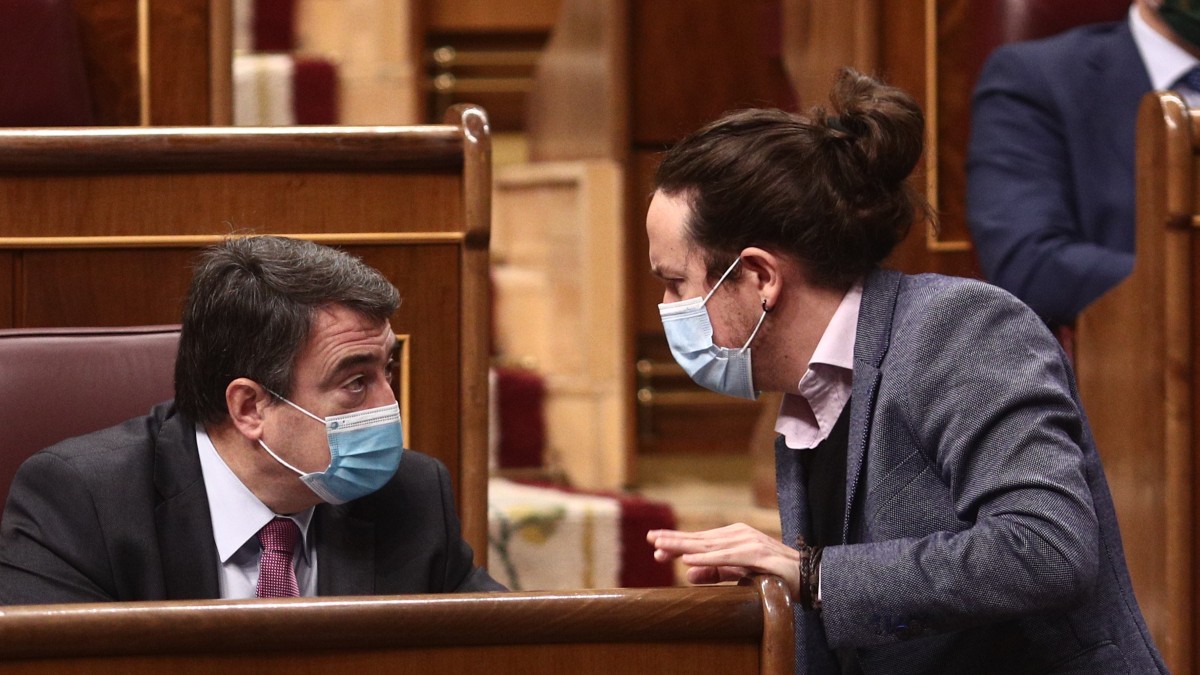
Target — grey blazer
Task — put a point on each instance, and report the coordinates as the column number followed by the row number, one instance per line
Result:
column 980, row 531
column 122, row 514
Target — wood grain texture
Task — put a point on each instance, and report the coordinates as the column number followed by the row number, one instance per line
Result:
column 109, row 34
column 1142, row 410
column 919, row 52
column 180, row 77
column 474, row 317
column 728, row 629
column 578, row 105
column 692, row 62
column 559, row 281
column 483, row 16
column 425, row 149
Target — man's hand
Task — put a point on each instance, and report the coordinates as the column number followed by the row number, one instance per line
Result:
column 728, row 554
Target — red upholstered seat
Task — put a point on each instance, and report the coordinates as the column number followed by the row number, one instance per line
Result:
column 43, row 81
column 1030, row 19
column 59, row 383
column 996, row 22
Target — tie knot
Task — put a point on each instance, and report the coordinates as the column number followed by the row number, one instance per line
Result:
column 1190, row 79
column 279, row 536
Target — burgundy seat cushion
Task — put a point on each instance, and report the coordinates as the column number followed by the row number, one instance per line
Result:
column 59, row 383
column 990, row 23
column 42, row 74
column 1030, row 19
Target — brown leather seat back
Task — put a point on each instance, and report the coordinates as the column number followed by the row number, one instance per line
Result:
column 56, row 383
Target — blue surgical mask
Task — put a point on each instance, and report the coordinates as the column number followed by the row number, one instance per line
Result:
column 690, row 335
column 365, row 447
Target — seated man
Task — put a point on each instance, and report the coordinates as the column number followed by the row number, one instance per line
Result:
column 274, row 471
column 1050, row 168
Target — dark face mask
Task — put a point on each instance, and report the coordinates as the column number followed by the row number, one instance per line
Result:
column 1183, row 16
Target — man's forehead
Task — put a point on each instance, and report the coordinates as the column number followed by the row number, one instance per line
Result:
column 675, row 258
column 335, row 330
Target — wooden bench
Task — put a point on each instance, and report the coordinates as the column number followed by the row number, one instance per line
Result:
column 1136, row 364
column 731, row 629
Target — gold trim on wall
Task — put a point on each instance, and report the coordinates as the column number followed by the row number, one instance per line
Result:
column 933, row 239
column 402, row 386
column 220, row 59
column 143, row 56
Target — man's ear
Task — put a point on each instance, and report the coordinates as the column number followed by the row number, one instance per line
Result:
column 247, row 400
column 766, row 272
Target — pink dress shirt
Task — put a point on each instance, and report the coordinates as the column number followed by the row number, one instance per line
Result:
column 807, row 416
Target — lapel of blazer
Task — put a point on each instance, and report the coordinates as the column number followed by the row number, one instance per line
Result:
column 790, row 492
column 345, row 549
column 182, row 520
column 1119, row 80
column 871, row 342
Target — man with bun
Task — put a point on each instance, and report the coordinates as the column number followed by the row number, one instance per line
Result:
column 942, row 504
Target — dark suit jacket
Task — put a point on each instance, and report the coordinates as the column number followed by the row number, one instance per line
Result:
column 122, row 514
column 1050, row 184
column 980, row 531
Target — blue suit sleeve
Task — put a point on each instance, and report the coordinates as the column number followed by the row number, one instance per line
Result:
column 1022, row 205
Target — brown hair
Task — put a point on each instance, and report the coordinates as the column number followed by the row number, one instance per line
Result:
column 829, row 190
column 250, row 307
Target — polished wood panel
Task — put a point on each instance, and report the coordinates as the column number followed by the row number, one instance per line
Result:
column 821, row 36
column 7, row 278
column 90, row 236
column 645, row 288
column 109, row 34
column 691, row 62
column 158, row 62
column 64, row 287
column 560, row 288
column 731, row 629
column 919, row 50
column 179, row 86
column 474, row 317
column 579, row 103
column 433, row 148
column 229, row 202
column 1135, row 358
column 484, row 16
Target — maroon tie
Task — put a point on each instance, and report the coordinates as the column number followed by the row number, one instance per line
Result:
column 276, row 578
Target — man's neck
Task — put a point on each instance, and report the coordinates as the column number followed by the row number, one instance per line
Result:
column 798, row 326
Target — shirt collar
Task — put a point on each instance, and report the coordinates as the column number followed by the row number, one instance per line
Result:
column 836, row 347
column 808, row 415
column 1165, row 61
column 237, row 515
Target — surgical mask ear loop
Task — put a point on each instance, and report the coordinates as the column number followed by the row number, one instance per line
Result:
column 720, row 281
column 281, row 398
column 280, row 459
column 272, row 452
column 757, row 326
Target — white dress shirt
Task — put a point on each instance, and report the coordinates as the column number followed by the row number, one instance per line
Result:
column 1165, row 61
column 237, row 516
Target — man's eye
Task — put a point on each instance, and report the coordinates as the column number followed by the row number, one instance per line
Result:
column 357, row 384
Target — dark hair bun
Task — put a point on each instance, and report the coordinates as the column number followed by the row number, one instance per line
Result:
column 885, row 124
